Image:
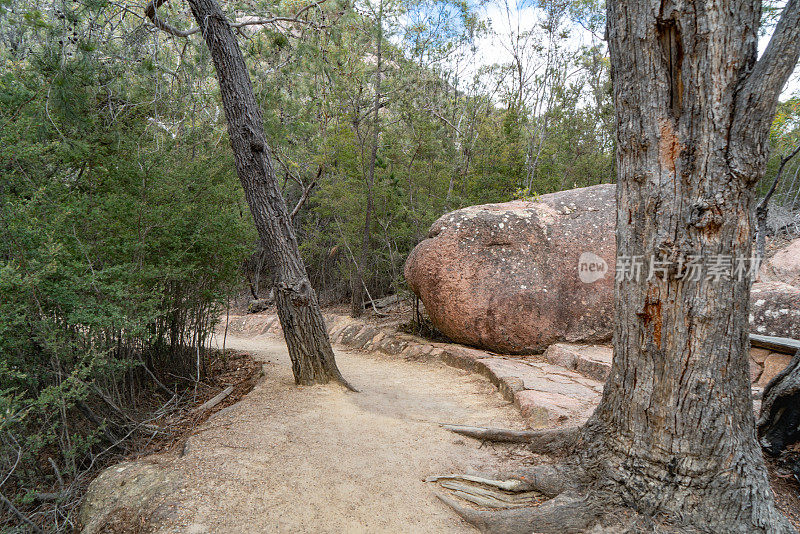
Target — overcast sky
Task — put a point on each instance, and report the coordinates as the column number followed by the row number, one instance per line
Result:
column 491, row 49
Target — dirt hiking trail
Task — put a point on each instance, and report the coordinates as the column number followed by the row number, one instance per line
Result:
column 321, row 459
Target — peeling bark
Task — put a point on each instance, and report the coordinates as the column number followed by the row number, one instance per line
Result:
column 674, row 434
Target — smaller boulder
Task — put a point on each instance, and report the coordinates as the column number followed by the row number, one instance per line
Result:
column 758, row 355
column 126, row 495
column 775, row 309
column 774, row 364
column 259, row 305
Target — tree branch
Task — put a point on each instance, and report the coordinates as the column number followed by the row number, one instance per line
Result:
column 151, row 10
column 443, row 119
column 784, row 160
column 758, row 96
column 22, row 517
column 780, row 57
column 306, row 192
column 763, row 206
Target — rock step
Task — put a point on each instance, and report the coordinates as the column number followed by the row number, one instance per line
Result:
column 783, row 345
column 547, row 394
column 594, row 361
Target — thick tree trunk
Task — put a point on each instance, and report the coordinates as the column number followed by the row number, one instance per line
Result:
column 673, row 437
column 674, row 433
column 303, row 326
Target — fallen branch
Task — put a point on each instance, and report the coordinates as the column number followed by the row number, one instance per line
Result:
column 22, row 517
column 97, row 422
column 364, row 284
column 50, row 497
column 164, row 388
column 214, row 401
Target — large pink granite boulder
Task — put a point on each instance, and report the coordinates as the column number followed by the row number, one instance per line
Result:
column 519, row 276
column 506, row 276
column 784, row 266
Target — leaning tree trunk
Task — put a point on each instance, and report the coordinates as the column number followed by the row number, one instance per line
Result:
column 674, row 433
column 300, row 316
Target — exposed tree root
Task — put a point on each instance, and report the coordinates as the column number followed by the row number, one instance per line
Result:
column 543, row 499
column 512, row 484
column 546, row 479
column 564, row 514
column 550, row 441
column 477, row 494
column 342, row 381
column 569, row 496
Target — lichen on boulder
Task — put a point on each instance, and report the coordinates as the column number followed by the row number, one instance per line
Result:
column 128, row 493
column 506, row 276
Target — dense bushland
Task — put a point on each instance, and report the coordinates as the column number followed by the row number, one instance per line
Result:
column 119, row 243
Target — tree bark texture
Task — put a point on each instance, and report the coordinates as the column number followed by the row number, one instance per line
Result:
column 675, row 433
column 298, row 309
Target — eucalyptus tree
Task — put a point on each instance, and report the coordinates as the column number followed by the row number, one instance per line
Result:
column 673, row 437
column 310, row 350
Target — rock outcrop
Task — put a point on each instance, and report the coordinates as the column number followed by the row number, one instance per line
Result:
column 519, row 276
column 505, row 276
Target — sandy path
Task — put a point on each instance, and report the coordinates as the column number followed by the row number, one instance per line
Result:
column 321, row 459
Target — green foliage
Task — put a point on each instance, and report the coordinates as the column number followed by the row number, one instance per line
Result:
column 784, row 138
column 444, row 141
column 118, row 243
